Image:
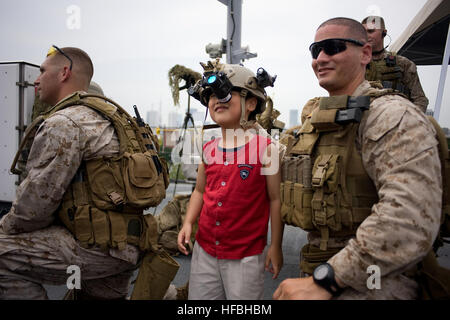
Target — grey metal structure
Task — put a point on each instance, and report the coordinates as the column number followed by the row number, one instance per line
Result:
column 444, row 68
column 16, row 105
column 235, row 53
column 426, row 41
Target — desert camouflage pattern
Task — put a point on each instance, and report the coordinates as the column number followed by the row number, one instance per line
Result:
column 33, row 250
column 39, row 107
column 410, row 80
column 399, row 153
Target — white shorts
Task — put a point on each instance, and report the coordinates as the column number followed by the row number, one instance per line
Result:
column 226, row 279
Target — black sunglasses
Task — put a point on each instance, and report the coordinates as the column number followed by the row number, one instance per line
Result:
column 331, row 46
column 53, row 49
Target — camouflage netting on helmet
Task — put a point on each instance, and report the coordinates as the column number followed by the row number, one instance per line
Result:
column 268, row 119
column 170, row 221
column 176, row 75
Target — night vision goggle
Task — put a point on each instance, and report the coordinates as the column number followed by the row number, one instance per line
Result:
column 221, row 86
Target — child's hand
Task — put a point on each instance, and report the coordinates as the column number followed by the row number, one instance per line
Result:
column 183, row 238
column 274, row 260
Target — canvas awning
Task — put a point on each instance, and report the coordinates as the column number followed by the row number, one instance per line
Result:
column 423, row 41
column 426, row 41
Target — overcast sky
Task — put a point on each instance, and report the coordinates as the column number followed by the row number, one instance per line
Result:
column 133, row 44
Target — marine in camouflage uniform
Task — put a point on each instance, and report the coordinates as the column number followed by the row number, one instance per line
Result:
column 403, row 224
column 34, row 248
column 399, row 72
column 405, row 221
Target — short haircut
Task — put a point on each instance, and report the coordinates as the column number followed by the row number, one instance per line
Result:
column 81, row 61
column 355, row 28
column 374, row 22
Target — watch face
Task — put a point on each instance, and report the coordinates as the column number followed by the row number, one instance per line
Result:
column 321, row 272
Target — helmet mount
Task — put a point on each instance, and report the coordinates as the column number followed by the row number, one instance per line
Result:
column 222, row 79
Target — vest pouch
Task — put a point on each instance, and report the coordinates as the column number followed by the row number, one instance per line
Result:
column 324, row 207
column 289, row 169
column 144, row 186
column 391, row 74
column 303, row 211
column 308, row 138
column 287, row 204
column 149, row 238
column 100, row 227
column 118, row 230
column 324, row 120
column 165, row 171
column 326, row 170
column 106, row 183
column 83, row 226
column 311, row 257
column 155, row 274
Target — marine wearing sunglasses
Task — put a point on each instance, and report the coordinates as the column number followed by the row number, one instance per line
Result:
column 331, row 46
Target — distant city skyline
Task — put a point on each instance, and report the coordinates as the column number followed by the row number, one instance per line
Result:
column 175, row 119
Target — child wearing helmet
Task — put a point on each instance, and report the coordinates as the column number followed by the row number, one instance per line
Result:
column 237, row 190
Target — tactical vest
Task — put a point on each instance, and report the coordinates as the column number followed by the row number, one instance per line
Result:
column 105, row 201
column 325, row 189
column 388, row 72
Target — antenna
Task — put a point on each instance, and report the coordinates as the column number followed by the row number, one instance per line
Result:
column 232, row 46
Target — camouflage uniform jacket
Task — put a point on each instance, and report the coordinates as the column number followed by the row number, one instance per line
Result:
column 410, row 79
column 62, row 142
column 399, row 153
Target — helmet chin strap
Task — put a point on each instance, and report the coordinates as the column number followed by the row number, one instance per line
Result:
column 243, row 122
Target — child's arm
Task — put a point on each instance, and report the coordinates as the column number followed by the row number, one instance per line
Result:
column 275, row 253
column 193, row 210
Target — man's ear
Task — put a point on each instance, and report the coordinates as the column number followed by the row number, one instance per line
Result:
column 66, row 73
column 366, row 54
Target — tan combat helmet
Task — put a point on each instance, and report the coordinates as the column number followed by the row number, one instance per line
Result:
column 241, row 79
column 95, row 88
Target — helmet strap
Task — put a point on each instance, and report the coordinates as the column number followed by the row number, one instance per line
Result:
column 243, row 122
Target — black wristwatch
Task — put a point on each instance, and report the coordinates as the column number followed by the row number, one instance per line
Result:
column 323, row 275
